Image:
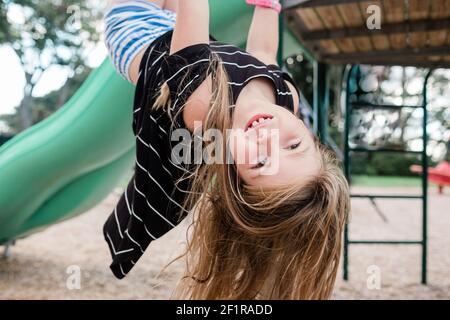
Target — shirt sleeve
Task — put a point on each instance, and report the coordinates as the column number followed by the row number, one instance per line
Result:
column 285, row 75
column 184, row 71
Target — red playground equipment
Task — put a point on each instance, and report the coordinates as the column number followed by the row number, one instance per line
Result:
column 440, row 175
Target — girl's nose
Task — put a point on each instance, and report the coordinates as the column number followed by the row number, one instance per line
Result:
column 268, row 141
column 266, row 135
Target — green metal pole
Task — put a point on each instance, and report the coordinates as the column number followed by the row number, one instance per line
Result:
column 280, row 58
column 425, row 181
column 348, row 111
column 321, row 100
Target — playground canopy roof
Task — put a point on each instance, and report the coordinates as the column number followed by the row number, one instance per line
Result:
column 413, row 32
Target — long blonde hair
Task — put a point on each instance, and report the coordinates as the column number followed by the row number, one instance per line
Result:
column 250, row 242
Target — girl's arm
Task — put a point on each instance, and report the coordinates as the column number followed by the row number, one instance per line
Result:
column 262, row 40
column 192, row 24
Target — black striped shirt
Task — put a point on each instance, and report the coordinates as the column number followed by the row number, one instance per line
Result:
column 152, row 203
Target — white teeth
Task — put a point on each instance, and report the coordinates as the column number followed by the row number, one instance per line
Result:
column 259, row 121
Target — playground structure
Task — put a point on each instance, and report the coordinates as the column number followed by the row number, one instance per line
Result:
column 69, row 162
column 411, row 33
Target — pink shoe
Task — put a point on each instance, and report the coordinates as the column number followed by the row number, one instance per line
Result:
column 274, row 4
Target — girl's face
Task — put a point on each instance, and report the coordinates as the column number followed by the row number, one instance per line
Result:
column 270, row 145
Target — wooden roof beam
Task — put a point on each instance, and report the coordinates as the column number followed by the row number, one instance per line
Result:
column 386, row 29
column 385, row 54
column 401, row 63
column 296, row 4
column 415, row 61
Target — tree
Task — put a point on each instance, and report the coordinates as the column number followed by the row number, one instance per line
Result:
column 46, row 105
column 400, row 128
column 45, row 34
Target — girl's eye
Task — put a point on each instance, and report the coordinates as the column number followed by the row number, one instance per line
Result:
column 260, row 163
column 294, row 146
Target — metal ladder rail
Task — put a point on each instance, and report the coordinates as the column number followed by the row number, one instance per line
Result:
column 424, row 195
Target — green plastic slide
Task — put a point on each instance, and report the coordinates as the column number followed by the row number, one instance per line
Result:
column 68, row 163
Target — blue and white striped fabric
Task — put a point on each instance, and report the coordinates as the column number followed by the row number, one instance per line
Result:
column 132, row 26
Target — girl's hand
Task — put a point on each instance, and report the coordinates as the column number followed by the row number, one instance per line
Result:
column 273, row 4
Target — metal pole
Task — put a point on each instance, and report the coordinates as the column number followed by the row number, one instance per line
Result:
column 8, row 247
column 425, row 181
column 349, row 73
column 280, row 52
column 321, row 100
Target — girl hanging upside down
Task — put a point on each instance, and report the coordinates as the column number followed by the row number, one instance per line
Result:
column 267, row 224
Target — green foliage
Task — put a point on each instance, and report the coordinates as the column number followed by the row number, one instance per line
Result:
column 386, row 181
column 383, row 164
column 56, row 26
column 3, row 22
column 48, row 104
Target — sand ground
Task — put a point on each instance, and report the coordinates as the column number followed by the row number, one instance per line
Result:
column 45, row 265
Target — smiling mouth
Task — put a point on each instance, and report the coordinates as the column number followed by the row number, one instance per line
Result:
column 257, row 121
